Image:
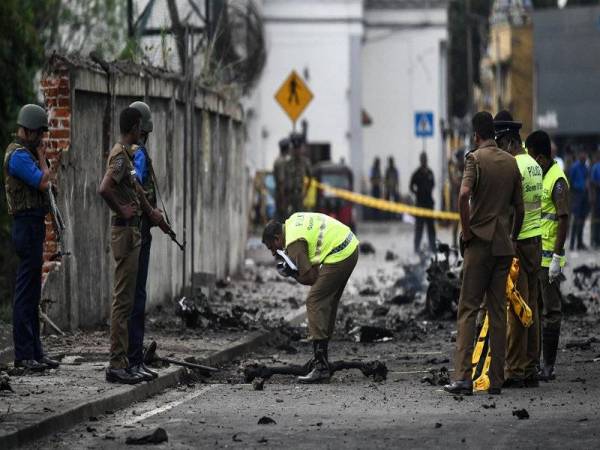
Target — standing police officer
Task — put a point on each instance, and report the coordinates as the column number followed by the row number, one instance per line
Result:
column 144, row 172
column 555, row 223
column 323, row 253
column 490, row 191
column 123, row 194
column 26, row 180
column 522, row 344
column 297, row 169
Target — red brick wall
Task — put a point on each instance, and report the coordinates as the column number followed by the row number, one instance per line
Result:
column 57, row 95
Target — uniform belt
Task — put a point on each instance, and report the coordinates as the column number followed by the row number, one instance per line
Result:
column 121, row 222
column 343, row 245
column 549, row 254
column 528, row 240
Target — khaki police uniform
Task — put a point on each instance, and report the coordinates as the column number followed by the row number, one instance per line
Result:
column 325, row 252
column 296, row 169
column 495, row 183
column 522, row 344
column 125, row 246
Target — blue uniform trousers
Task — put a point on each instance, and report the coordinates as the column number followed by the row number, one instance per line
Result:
column 136, row 320
column 28, row 233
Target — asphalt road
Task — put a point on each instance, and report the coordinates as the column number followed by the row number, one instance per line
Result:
column 355, row 412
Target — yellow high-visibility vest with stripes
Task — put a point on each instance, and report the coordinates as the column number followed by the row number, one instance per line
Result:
column 329, row 240
column 549, row 216
column 531, row 177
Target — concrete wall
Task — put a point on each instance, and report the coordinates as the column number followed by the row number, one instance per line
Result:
column 201, row 173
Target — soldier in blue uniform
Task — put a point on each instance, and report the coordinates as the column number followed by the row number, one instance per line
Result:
column 26, row 181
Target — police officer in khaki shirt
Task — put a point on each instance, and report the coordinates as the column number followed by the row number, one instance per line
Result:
column 489, row 194
column 125, row 197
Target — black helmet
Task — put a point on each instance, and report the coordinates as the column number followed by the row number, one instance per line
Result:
column 504, row 125
column 144, row 110
column 33, row 117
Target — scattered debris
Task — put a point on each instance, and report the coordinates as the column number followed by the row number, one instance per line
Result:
column 574, row 304
column 458, row 398
column 581, row 344
column 157, row 437
column 258, row 384
column 381, row 311
column 521, row 414
column 264, row 420
column 438, row 425
column 586, row 277
column 437, row 377
column 369, row 333
column 235, row 438
column 366, row 248
column 578, row 380
column 375, row 369
column 288, row 348
column 490, row 406
column 444, row 277
column 263, row 440
column 150, row 355
column 368, row 292
column 390, row 256
column 5, row 383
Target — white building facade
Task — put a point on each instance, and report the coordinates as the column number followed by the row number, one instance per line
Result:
column 386, row 58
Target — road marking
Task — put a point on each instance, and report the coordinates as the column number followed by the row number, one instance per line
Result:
column 171, row 405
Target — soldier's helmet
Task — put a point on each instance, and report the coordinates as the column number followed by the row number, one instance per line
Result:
column 33, row 117
column 144, row 110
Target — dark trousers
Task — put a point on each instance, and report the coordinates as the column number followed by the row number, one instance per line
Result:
column 28, row 233
column 580, row 210
column 136, row 319
column 596, row 221
column 420, row 222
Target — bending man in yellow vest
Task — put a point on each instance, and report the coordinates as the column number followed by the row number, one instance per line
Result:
column 322, row 252
column 554, row 225
column 522, row 344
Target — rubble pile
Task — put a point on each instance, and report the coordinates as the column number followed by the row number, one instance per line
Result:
column 585, row 296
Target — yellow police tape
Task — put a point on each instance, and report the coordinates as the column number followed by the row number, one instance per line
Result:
column 385, row 205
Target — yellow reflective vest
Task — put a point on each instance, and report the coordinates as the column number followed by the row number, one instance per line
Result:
column 531, row 177
column 329, row 240
column 549, row 216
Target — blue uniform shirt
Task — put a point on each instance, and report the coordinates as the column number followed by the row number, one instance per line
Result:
column 140, row 164
column 578, row 175
column 21, row 165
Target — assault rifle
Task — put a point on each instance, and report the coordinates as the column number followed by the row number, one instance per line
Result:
column 57, row 222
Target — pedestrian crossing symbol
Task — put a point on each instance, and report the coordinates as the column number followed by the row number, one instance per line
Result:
column 424, row 124
column 293, row 96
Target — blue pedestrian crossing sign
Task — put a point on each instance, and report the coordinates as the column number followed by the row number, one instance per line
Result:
column 424, row 123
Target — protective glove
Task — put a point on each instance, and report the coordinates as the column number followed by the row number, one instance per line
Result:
column 285, row 270
column 554, row 269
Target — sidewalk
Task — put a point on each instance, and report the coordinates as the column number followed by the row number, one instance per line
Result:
column 42, row 404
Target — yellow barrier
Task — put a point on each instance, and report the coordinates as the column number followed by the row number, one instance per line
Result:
column 386, row 205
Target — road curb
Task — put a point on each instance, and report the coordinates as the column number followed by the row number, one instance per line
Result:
column 13, row 437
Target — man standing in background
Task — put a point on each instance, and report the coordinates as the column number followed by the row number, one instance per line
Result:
column 595, row 191
column 578, row 176
column 281, row 203
column 297, row 174
column 422, row 183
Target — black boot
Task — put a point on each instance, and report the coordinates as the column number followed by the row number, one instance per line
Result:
column 550, row 339
column 320, row 372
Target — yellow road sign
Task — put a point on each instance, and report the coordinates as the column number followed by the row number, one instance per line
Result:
column 293, row 96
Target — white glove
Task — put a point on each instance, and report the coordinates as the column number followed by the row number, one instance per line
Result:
column 554, row 269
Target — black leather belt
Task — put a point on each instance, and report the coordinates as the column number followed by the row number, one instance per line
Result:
column 531, row 239
column 343, row 245
column 121, row 222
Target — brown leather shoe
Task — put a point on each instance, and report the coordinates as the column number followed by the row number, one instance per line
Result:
column 460, row 387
